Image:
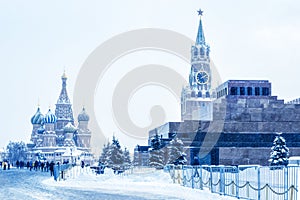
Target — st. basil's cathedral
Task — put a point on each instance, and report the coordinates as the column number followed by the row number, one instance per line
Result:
column 55, row 137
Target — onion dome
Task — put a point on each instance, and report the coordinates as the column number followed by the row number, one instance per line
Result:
column 41, row 130
column 50, row 118
column 37, row 118
column 69, row 128
column 83, row 116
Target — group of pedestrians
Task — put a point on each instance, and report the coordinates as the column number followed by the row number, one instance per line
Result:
column 30, row 165
column 38, row 166
column 43, row 166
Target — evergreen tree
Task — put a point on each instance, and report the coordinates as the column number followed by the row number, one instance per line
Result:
column 156, row 154
column 104, row 158
column 115, row 154
column 127, row 160
column 156, row 158
column 280, row 153
column 175, row 150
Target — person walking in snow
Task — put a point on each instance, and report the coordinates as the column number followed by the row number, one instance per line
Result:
column 47, row 166
column 36, row 164
column 21, row 164
column 51, row 167
column 30, row 165
column 42, row 166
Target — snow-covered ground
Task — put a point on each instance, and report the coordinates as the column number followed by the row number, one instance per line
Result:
column 145, row 184
column 83, row 184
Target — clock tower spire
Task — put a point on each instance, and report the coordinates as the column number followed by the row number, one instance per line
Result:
column 200, row 74
column 200, row 36
column 196, row 97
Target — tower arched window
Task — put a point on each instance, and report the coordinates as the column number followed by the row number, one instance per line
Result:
column 207, row 52
column 207, row 94
column 199, row 94
column 195, row 51
column 202, row 51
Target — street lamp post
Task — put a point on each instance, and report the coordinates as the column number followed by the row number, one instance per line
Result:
column 72, row 156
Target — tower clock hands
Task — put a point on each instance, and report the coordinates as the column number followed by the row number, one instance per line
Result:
column 202, row 77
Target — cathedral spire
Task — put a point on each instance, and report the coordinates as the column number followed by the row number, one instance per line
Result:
column 200, row 36
column 63, row 110
column 63, row 97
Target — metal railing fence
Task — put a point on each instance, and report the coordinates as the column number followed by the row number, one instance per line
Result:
column 245, row 182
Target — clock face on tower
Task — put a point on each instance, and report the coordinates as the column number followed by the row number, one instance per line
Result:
column 202, row 77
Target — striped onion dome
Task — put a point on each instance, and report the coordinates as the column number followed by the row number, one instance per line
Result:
column 50, row 118
column 38, row 117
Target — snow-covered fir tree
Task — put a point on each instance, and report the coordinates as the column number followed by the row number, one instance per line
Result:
column 279, row 153
column 176, row 152
column 156, row 153
column 115, row 155
column 104, row 158
column 127, row 160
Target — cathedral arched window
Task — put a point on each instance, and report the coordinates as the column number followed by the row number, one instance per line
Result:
column 193, row 94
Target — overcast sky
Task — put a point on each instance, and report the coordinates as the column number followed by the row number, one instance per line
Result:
column 257, row 39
